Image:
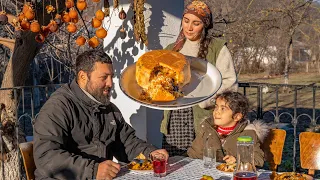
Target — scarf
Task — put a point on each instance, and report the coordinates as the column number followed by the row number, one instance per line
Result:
column 199, row 9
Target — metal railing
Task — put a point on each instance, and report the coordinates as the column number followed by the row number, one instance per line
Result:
column 294, row 117
column 31, row 98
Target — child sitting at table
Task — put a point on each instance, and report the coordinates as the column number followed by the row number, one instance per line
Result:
column 226, row 125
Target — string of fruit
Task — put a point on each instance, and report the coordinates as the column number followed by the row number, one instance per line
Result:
column 3, row 15
column 122, row 15
column 139, row 26
column 26, row 20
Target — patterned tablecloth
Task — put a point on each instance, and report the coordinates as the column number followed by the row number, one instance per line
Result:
column 183, row 168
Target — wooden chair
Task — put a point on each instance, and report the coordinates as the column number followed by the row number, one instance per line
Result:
column 310, row 151
column 26, row 150
column 273, row 147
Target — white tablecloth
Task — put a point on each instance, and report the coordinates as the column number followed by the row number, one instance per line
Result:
column 183, row 168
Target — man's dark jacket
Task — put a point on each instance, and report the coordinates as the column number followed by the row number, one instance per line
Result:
column 73, row 133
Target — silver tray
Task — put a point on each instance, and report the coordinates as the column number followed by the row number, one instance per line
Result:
column 205, row 82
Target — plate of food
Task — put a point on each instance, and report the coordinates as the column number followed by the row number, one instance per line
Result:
column 140, row 164
column 145, row 165
column 289, row 176
column 226, row 168
column 168, row 80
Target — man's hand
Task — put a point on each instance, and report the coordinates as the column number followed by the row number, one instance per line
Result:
column 107, row 170
column 229, row 159
column 160, row 151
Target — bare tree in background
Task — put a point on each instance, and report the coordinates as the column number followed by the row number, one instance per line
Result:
column 19, row 51
column 257, row 30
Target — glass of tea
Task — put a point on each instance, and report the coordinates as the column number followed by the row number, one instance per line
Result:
column 159, row 165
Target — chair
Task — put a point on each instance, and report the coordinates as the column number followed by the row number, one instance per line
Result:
column 273, row 147
column 26, row 150
column 310, row 151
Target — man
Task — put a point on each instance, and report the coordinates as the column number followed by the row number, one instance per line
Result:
column 78, row 130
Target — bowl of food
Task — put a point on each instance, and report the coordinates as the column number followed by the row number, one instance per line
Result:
column 227, row 168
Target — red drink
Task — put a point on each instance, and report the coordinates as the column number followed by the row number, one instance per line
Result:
column 245, row 176
column 159, row 166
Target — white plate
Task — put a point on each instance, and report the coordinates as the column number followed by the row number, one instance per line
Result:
column 227, row 172
column 205, row 82
column 141, row 171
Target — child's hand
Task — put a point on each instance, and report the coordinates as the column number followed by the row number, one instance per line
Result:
column 229, row 159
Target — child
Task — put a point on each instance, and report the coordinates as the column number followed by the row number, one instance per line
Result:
column 227, row 124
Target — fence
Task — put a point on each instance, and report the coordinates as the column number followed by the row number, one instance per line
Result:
column 307, row 116
column 31, row 98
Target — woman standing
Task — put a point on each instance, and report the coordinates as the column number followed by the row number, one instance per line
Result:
column 180, row 126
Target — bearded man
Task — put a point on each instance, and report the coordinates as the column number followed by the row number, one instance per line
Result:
column 78, row 130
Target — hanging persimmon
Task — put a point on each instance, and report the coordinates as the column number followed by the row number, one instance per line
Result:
column 93, row 42
column 96, row 1
column 3, row 18
column 66, row 18
column 57, row 19
column 73, row 13
column 69, row 3
column 96, row 22
column 101, row 33
column 72, row 28
column 75, row 20
column 21, row 16
column 99, row 15
column 26, row 7
column 80, row 40
column 25, row 25
column 39, row 38
column 122, row 14
column 53, row 26
column 81, row 5
column 50, row 9
column 45, row 31
column 35, row 26
column 29, row 14
column 123, row 33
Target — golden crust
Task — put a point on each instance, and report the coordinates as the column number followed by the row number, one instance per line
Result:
column 289, row 175
column 174, row 65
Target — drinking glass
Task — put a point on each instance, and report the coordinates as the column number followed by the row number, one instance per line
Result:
column 209, row 157
column 159, row 165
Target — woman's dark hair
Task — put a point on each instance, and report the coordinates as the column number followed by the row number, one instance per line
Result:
column 237, row 102
column 205, row 41
column 86, row 61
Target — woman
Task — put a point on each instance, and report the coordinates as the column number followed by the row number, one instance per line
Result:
column 180, row 126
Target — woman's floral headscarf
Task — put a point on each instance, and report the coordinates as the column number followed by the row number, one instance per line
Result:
column 199, row 9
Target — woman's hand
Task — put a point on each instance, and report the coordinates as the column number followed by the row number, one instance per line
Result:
column 229, row 159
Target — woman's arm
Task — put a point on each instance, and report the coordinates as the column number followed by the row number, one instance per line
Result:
column 224, row 64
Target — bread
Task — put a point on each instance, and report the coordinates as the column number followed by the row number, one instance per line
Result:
column 162, row 74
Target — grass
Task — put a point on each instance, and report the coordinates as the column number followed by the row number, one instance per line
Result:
column 297, row 78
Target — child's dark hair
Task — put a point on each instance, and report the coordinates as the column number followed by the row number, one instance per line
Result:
column 237, row 102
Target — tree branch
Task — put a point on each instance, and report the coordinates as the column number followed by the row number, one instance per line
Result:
column 8, row 43
column 84, row 23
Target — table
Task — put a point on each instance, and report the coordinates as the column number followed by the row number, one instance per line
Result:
column 183, row 168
